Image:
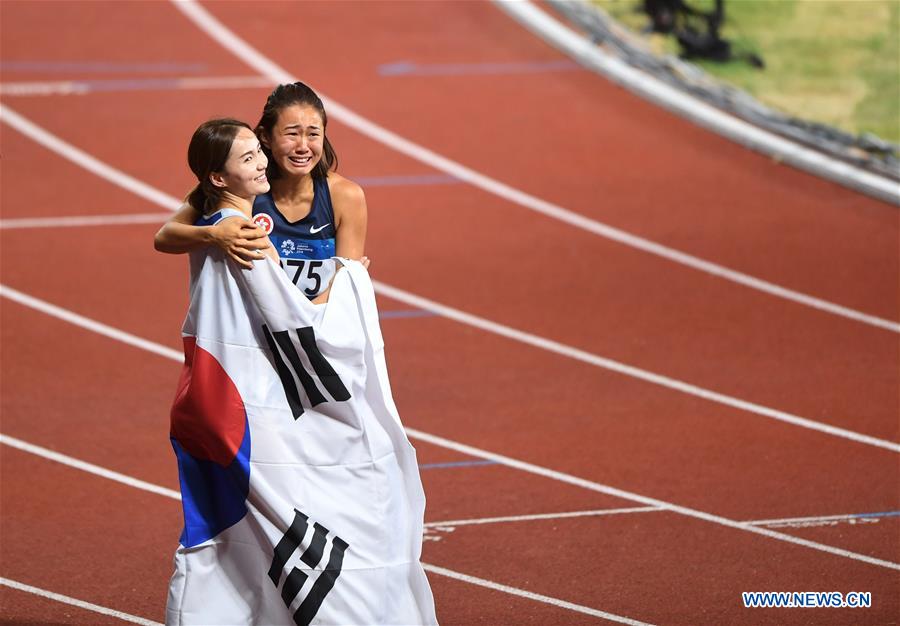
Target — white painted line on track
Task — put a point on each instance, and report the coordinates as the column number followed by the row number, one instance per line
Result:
column 481, row 582
column 822, row 518
column 83, row 220
column 652, row 509
column 90, row 468
column 628, row 370
column 492, row 456
column 684, row 104
column 522, row 337
column 113, row 175
column 542, row 516
column 89, row 324
column 208, row 23
column 83, row 87
column 651, row 502
column 156, row 489
column 83, row 159
column 81, row 604
column 137, row 483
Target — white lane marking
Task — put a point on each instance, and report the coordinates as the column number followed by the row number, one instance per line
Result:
column 208, row 23
column 514, row 463
column 82, row 87
column 112, row 175
column 541, row 516
column 481, row 582
column 58, row 457
column 509, row 333
column 90, row 468
column 81, row 604
column 684, row 104
column 89, row 324
column 647, row 501
column 156, row 489
column 822, row 518
column 83, row 159
column 137, row 483
column 628, row 370
column 83, row 220
column 787, row 521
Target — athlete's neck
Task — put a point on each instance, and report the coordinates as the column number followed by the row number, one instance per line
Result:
column 291, row 189
column 231, row 201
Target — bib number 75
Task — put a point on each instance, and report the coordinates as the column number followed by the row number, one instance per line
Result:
column 312, row 281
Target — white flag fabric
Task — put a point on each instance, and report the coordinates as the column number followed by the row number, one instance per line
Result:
column 301, row 493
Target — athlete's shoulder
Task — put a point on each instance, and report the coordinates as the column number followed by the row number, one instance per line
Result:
column 344, row 191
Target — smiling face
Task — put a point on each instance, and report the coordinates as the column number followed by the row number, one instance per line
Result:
column 297, row 139
column 244, row 174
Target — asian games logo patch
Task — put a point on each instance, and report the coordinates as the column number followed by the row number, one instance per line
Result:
column 288, row 247
column 264, row 221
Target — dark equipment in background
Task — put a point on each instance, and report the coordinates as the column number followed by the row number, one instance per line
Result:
column 697, row 31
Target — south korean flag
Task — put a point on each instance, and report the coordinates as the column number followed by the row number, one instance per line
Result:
column 301, row 494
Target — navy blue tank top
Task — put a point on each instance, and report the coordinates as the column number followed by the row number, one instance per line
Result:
column 305, row 246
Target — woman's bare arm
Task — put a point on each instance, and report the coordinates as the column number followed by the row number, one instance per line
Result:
column 351, row 217
column 241, row 240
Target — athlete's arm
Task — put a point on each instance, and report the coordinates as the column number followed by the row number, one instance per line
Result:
column 350, row 217
column 241, row 240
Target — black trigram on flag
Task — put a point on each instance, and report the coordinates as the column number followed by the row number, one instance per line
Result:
column 282, row 347
column 312, row 556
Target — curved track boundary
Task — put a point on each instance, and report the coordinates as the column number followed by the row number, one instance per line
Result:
column 524, row 466
column 646, row 86
column 209, row 24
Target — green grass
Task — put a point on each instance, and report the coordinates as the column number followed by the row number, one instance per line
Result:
column 831, row 61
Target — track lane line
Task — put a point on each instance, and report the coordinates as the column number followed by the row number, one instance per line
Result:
column 90, row 468
column 481, row 582
column 64, row 459
column 82, row 159
column 628, row 370
column 83, row 87
column 136, row 483
column 511, row 462
column 542, row 516
column 229, row 40
column 87, row 323
column 83, row 220
column 486, row 325
column 121, row 179
column 81, row 604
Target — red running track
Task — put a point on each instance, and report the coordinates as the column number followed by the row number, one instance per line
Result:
column 565, row 136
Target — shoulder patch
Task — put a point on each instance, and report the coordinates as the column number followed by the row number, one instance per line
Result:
column 264, row 221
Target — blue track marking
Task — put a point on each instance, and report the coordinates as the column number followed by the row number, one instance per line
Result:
column 408, row 68
column 400, row 181
column 881, row 514
column 99, row 67
column 387, row 315
column 472, row 463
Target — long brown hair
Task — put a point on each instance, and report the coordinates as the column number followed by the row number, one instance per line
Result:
column 207, row 153
column 282, row 97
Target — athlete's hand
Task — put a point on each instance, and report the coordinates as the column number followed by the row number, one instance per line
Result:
column 241, row 240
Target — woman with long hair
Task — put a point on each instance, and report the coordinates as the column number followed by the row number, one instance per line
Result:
column 311, row 213
column 301, row 493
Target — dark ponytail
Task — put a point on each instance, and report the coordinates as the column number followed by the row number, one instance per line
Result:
column 283, row 97
column 207, row 153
